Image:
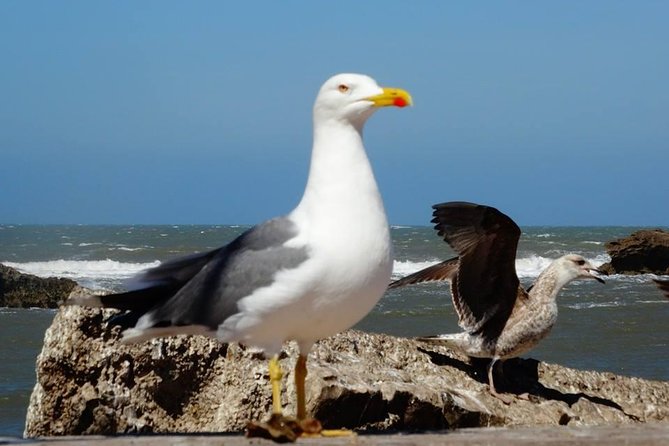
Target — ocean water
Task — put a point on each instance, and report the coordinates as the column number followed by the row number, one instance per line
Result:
column 619, row 327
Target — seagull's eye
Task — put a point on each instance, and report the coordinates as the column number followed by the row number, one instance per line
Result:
column 580, row 262
column 343, row 88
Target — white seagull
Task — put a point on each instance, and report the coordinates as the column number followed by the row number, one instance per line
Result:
column 500, row 318
column 304, row 276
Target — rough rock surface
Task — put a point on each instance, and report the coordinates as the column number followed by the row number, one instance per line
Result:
column 88, row 383
column 642, row 252
column 25, row 290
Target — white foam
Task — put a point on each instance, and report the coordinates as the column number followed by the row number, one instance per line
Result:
column 95, row 274
column 403, row 268
column 589, row 305
column 599, row 260
column 532, row 266
column 636, row 278
column 526, row 267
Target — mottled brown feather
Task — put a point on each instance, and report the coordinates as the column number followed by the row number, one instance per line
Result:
column 487, row 285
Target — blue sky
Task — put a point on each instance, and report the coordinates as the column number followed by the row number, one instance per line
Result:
column 184, row 112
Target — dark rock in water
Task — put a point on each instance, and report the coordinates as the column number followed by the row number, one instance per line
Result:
column 88, row 383
column 644, row 251
column 25, row 290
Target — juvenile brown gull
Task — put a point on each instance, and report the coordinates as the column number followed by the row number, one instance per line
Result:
column 304, row 276
column 499, row 317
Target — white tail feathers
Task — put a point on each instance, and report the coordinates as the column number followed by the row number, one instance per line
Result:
column 448, row 340
column 462, row 342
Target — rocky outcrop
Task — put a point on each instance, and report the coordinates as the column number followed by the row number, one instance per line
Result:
column 25, row 290
column 642, row 252
column 89, row 383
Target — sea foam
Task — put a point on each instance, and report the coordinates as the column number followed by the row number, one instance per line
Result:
column 105, row 274
column 94, row 274
column 403, row 268
column 526, row 267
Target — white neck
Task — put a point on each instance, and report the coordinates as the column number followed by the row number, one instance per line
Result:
column 550, row 282
column 341, row 180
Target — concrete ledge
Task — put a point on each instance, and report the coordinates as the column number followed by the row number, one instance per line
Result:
column 650, row 434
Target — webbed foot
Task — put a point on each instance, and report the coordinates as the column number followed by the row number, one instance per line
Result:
column 283, row 429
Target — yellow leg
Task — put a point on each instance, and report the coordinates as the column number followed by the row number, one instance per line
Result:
column 280, row 428
column 309, row 424
column 300, row 376
column 275, row 376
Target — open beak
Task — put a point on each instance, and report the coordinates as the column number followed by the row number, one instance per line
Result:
column 596, row 274
column 391, row 96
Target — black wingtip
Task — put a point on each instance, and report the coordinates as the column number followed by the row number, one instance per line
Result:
column 459, row 214
column 465, row 213
column 455, row 204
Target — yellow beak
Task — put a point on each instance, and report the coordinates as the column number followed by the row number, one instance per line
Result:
column 391, row 96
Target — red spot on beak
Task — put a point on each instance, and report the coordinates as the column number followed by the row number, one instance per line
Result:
column 400, row 102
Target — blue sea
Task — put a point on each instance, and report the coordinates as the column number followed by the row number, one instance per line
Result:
column 619, row 327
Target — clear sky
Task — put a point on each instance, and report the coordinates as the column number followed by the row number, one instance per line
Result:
column 135, row 112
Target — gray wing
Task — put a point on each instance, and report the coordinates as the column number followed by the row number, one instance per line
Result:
column 486, row 285
column 175, row 271
column 204, row 289
column 154, row 285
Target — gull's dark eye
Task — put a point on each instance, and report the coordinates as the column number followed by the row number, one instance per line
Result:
column 580, row 262
column 343, row 88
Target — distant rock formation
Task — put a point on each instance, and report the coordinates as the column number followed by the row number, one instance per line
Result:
column 642, row 252
column 25, row 290
column 88, row 383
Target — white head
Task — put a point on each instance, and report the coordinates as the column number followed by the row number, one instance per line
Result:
column 354, row 97
column 574, row 266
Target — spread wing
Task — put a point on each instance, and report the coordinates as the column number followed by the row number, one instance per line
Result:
column 486, row 285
